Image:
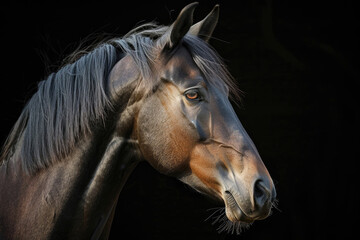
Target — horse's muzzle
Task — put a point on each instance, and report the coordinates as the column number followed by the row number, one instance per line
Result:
column 255, row 205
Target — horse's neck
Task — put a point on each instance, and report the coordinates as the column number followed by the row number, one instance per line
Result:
column 99, row 176
column 102, row 192
column 79, row 193
column 69, row 197
column 104, row 171
column 73, row 195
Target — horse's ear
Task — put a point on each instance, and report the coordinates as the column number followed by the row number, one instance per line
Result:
column 205, row 27
column 180, row 27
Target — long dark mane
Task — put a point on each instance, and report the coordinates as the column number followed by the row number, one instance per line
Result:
column 69, row 102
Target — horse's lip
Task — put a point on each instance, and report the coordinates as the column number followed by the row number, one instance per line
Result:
column 234, row 210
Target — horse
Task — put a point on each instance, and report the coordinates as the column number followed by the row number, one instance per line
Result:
column 159, row 94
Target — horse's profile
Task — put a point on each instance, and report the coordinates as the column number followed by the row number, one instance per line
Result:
column 159, row 94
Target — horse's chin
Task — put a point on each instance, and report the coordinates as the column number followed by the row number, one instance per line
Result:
column 234, row 212
column 234, row 221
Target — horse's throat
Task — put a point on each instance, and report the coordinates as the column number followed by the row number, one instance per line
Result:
column 109, row 178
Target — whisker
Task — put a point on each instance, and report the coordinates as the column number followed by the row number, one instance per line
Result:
column 217, row 209
column 275, row 204
column 219, row 218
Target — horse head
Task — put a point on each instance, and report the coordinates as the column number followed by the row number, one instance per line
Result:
column 185, row 125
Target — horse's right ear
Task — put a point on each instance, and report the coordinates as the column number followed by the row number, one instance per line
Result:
column 179, row 28
column 205, row 27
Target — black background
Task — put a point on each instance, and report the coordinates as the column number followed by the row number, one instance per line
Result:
column 300, row 79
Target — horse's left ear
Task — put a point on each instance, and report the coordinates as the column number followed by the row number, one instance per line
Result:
column 205, row 27
column 180, row 27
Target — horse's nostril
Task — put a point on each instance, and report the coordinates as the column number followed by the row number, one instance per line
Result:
column 261, row 194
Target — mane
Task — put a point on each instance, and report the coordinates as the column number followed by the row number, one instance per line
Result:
column 62, row 111
column 72, row 100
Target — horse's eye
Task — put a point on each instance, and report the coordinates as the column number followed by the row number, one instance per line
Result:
column 192, row 95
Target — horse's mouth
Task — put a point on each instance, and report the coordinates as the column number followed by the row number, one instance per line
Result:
column 233, row 211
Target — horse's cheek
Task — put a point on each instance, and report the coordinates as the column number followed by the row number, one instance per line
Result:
column 162, row 143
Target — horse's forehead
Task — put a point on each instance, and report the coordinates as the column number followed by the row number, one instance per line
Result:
column 181, row 66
